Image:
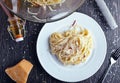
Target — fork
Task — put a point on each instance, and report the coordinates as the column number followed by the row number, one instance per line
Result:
column 114, row 56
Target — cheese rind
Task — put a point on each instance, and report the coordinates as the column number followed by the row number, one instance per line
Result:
column 19, row 73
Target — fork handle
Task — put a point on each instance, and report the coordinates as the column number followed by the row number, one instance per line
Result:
column 105, row 72
column 105, row 75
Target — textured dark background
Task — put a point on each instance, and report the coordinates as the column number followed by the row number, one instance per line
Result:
column 12, row 52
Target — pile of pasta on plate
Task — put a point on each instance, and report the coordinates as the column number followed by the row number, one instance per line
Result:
column 72, row 46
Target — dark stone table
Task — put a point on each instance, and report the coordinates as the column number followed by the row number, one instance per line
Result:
column 12, row 52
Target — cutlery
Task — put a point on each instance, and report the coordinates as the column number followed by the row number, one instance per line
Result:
column 107, row 14
column 114, row 56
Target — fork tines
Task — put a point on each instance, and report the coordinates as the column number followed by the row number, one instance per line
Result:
column 116, row 54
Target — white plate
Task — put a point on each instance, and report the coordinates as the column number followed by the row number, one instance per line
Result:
column 78, row 72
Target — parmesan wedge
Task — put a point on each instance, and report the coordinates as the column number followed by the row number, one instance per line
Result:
column 19, row 73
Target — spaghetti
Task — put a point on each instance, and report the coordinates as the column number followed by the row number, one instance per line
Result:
column 45, row 2
column 72, row 46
